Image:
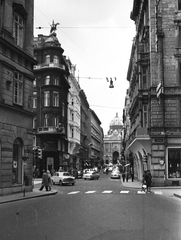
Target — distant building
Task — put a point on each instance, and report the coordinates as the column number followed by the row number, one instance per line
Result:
column 50, row 105
column 113, row 142
column 16, row 85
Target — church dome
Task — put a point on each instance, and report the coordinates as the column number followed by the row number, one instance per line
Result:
column 116, row 121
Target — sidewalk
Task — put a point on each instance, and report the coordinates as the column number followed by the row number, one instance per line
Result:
column 27, row 195
column 137, row 185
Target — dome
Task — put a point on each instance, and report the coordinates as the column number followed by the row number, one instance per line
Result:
column 116, row 121
column 52, row 40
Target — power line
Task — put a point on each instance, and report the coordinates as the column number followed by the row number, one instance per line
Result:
column 87, row 27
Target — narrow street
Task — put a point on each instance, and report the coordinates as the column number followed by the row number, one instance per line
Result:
column 99, row 209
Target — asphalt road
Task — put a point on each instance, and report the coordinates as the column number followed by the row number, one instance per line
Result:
column 93, row 210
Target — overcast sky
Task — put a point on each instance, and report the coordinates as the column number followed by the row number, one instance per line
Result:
column 97, row 37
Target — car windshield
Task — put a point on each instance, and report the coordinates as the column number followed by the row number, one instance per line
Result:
column 66, row 174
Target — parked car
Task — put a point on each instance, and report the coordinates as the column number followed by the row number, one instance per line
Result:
column 91, row 175
column 63, row 178
column 115, row 174
column 80, row 173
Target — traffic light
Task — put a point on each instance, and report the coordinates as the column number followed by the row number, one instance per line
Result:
column 36, row 153
column 39, row 153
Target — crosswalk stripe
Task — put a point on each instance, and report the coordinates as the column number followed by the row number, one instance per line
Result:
column 158, row 192
column 88, row 192
column 124, row 192
column 107, row 191
column 141, row 192
column 73, row 192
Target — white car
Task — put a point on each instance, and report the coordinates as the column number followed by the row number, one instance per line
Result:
column 91, row 175
column 63, row 178
column 115, row 174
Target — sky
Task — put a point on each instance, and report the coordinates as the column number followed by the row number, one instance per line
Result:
column 97, row 37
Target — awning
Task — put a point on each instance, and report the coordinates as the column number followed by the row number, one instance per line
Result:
column 142, row 145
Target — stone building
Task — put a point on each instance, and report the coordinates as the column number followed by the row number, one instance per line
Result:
column 74, row 117
column 16, row 85
column 113, row 141
column 154, row 133
column 50, row 103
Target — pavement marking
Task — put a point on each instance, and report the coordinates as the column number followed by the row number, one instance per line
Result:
column 158, row 192
column 124, row 192
column 73, row 192
column 107, row 191
column 141, row 192
column 88, row 192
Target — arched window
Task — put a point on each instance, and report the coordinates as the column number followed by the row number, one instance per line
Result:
column 17, row 162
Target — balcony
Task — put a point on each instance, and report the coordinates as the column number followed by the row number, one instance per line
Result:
column 51, row 130
column 49, row 65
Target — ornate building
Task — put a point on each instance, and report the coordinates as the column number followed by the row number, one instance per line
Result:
column 153, row 134
column 113, row 141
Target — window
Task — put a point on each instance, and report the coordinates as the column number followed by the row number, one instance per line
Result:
column 145, row 116
column 18, row 88
column 46, row 120
column 72, row 132
column 34, row 82
column 55, row 99
column 47, row 99
column 34, row 99
column 179, row 4
column 72, row 117
column 47, row 80
column 47, row 59
column 56, row 59
column 63, row 110
column 144, row 78
column 55, row 121
column 174, row 162
column 34, row 122
column 18, row 29
column 56, row 81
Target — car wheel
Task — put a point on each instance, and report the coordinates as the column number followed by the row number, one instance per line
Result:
column 73, row 184
column 84, row 178
column 60, row 182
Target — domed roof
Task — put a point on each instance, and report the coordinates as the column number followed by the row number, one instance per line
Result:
column 52, row 40
column 116, row 121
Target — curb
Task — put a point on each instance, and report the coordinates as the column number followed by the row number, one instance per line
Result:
column 28, row 197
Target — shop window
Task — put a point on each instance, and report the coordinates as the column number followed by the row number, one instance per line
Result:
column 18, row 88
column 174, row 162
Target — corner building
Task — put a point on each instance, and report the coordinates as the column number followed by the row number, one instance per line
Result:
column 154, row 133
column 50, row 100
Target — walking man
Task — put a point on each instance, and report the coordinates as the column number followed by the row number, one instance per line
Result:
column 44, row 181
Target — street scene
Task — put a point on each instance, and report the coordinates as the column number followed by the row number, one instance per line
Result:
column 90, row 120
column 94, row 209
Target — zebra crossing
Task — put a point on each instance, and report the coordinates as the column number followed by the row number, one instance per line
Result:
column 112, row 192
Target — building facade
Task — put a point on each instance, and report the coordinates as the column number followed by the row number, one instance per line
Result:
column 96, row 144
column 113, row 142
column 50, row 103
column 74, row 118
column 16, row 85
column 154, row 134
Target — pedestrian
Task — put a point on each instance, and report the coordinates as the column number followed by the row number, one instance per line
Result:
column 123, row 176
column 44, row 181
column 148, row 179
column 49, row 180
column 132, row 175
column 127, row 176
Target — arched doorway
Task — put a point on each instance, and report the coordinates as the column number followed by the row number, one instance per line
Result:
column 17, row 162
column 115, row 157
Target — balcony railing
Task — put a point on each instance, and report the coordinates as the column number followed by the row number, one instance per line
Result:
column 51, row 129
column 49, row 65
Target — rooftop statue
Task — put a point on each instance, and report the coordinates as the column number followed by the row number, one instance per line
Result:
column 53, row 27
